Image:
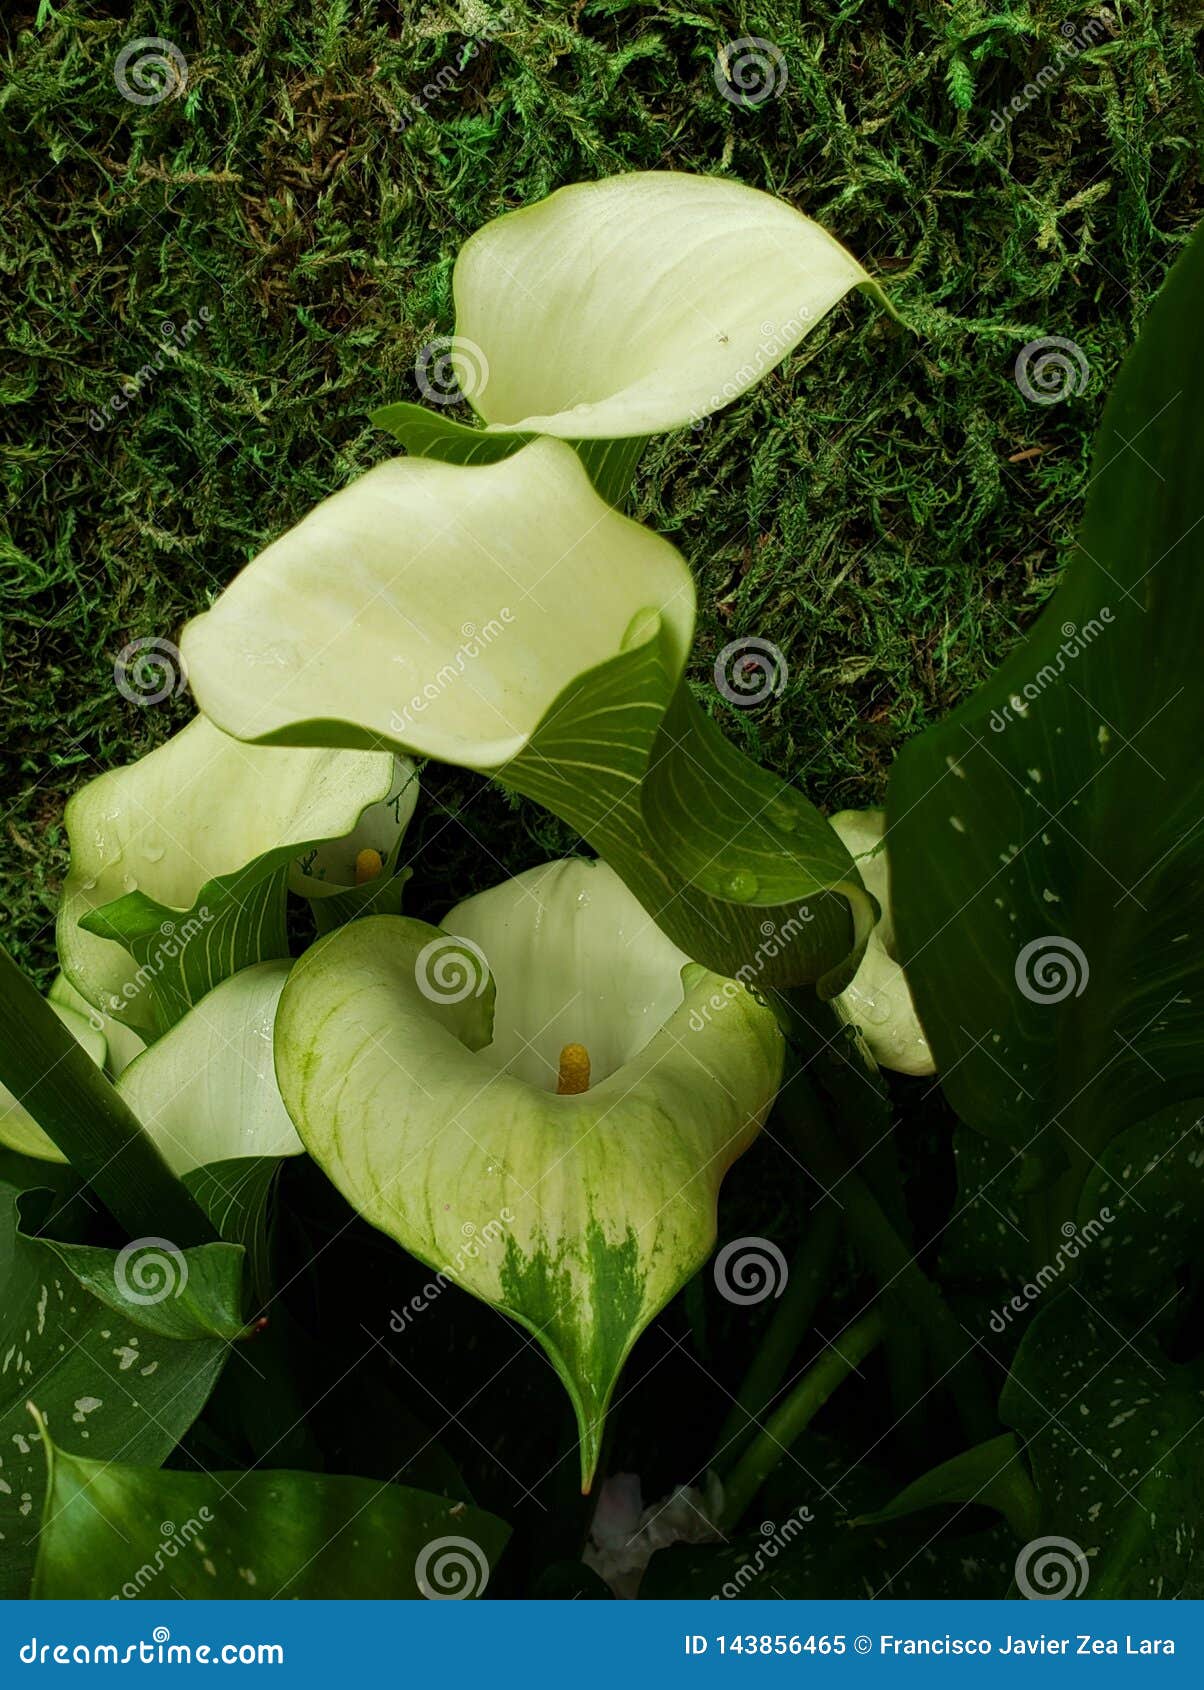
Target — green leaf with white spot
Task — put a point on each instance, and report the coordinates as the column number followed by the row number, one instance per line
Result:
column 114, row 1374
column 116, row 1530
column 1045, row 838
column 1115, row 1439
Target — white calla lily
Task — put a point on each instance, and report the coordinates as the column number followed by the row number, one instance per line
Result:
column 202, row 808
column 447, row 1083
column 363, row 605
column 879, row 1001
column 336, row 866
column 122, row 1044
column 206, row 1091
column 506, row 618
column 637, row 304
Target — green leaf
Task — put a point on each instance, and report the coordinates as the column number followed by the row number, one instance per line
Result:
column 566, row 682
column 113, row 1530
column 438, row 1119
column 236, row 1195
column 84, row 1116
column 117, row 1350
column 610, row 464
column 1045, row 841
column 1115, row 1437
column 991, row 1474
column 178, row 864
column 1147, row 1189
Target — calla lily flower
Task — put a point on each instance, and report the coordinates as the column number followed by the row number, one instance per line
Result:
column 534, row 1101
column 637, row 304
column 506, row 618
column 178, row 864
column 879, row 1001
column 206, row 1091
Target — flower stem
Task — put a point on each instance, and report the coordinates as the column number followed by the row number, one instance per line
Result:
column 796, row 1413
column 805, row 1286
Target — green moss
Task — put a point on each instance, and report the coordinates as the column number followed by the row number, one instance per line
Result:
column 887, row 507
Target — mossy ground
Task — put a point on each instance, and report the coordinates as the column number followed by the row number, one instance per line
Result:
column 887, row 507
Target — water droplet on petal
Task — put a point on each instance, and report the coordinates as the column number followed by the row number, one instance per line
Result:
column 742, row 885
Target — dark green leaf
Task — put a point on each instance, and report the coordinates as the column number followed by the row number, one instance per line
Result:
column 991, row 1474
column 254, row 1535
column 111, row 1374
column 1115, row 1437
column 1045, row 838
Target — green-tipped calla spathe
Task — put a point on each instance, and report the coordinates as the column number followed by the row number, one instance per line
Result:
column 637, row 304
column 184, row 853
column 18, row 1129
column 206, row 1091
column 879, row 1001
column 421, row 1067
column 504, row 617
